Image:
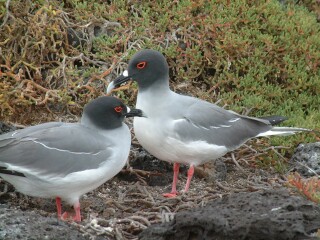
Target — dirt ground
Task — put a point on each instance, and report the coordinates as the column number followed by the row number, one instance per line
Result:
column 132, row 201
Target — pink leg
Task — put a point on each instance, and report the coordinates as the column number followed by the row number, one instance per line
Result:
column 62, row 216
column 58, row 204
column 65, row 216
column 190, row 174
column 76, row 207
column 173, row 192
column 76, row 217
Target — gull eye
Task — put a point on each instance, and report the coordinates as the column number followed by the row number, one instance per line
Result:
column 141, row 65
column 118, row 109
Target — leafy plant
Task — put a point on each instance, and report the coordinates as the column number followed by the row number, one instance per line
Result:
column 309, row 187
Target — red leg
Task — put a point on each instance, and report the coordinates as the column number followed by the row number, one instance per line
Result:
column 190, row 174
column 58, row 204
column 76, row 207
column 76, row 217
column 65, row 216
column 173, row 192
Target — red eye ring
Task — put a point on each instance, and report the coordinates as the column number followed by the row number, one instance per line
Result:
column 141, row 65
column 118, row 109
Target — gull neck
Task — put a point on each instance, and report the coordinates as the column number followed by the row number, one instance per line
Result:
column 156, row 87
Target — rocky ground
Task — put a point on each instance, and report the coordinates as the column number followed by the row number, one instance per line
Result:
column 225, row 201
column 266, row 214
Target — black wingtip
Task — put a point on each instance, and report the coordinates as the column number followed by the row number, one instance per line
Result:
column 4, row 170
column 274, row 120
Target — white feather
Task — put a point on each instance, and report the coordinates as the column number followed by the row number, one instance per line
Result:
column 282, row 131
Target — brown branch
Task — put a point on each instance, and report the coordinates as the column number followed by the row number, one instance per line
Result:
column 102, row 75
column 8, row 14
column 237, row 164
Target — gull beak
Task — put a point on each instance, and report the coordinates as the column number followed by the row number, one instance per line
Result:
column 118, row 81
column 135, row 113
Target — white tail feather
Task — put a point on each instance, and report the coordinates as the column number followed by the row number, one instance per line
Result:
column 283, row 131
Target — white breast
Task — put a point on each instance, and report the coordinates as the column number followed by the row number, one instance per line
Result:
column 72, row 186
column 155, row 134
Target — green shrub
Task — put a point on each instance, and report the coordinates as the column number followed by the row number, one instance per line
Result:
column 263, row 55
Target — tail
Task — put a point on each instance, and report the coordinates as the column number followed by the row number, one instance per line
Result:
column 274, row 119
column 283, row 131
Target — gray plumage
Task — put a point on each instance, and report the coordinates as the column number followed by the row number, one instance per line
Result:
column 54, row 149
column 210, row 123
column 183, row 129
column 191, row 119
column 67, row 160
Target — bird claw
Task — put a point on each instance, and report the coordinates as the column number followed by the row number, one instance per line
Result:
column 170, row 195
column 76, row 219
column 64, row 216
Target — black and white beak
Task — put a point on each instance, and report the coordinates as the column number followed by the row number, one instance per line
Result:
column 118, row 81
column 134, row 112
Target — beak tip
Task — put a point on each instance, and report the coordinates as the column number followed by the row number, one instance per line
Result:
column 110, row 87
column 136, row 113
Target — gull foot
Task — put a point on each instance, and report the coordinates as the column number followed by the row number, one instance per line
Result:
column 67, row 217
column 170, row 195
column 64, row 216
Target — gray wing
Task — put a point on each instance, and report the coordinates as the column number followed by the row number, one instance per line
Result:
column 203, row 121
column 55, row 149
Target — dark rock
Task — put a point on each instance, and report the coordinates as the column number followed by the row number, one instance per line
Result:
column 17, row 224
column 306, row 159
column 270, row 214
column 76, row 38
column 147, row 162
column 161, row 171
column 212, row 171
column 4, row 128
column 220, row 170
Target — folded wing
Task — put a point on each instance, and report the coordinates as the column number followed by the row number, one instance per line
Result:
column 202, row 121
column 52, row 149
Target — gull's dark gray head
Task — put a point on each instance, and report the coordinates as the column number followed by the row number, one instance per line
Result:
column 147, row 68
column 108, row 112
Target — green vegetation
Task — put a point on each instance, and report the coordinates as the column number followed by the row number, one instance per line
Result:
column 263, row 55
